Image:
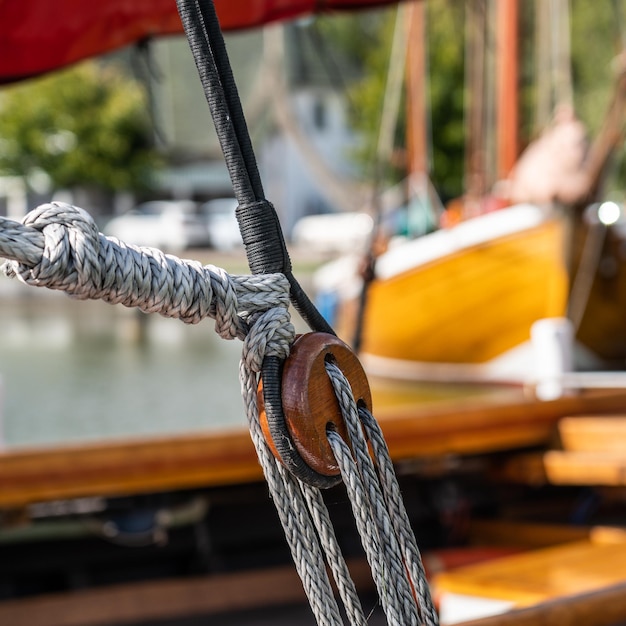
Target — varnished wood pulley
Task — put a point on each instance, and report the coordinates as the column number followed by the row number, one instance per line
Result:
column 309, row 404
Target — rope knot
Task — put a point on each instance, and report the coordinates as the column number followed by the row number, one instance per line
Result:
column 271, row 335
column 227, row 322
column 71, row 247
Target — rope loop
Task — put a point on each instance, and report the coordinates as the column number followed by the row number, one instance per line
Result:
column 226, row 305
column 71, row 250
column 381, row 517
column 271, row 335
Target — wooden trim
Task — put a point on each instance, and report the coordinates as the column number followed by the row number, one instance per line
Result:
column 539, row 575
column 593, row 433
column 115, row 468
column 560, row 467
column 478, row 427
column 599, row 608
column 523, row 534
column 585, row 468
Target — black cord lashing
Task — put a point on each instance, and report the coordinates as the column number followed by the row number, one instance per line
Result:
column 259, row 225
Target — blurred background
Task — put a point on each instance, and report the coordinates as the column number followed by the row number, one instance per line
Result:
column 128, row 136
column 353, row 162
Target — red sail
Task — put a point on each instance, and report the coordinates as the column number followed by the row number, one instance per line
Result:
column 37, row 36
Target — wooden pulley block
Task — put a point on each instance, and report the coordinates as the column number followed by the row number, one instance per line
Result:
column 309, row 403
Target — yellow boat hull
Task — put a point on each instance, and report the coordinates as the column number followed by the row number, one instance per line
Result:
column 472, row 305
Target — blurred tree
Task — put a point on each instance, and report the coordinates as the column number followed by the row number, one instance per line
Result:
column 364, row 40
column 598, row 32
column 82, row 127
column 595, row 32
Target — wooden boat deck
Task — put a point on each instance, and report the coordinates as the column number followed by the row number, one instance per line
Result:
column 583, row 582
column 202, row 459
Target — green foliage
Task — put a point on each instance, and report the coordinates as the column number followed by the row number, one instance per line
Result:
column 86, row 126
column 595, row 39
column 364, row 39
column 597, row 30
column 445, row 25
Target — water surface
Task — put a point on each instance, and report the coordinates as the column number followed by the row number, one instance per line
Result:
column 75, row 371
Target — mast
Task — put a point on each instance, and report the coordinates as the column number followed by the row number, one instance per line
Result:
column 507, row 85
column 475, row 113
column 417, row 123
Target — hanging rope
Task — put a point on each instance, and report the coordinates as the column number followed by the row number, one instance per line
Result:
column 374, row 494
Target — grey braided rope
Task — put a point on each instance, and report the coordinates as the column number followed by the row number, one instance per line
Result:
column 397, row 542
column 399, row 516
column 341, row 574
column 373, row 507
column 302, row 501
column 368, row 531
column 284, row 490
column 58, row 246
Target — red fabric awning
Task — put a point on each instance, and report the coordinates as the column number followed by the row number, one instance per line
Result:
column 37, row 36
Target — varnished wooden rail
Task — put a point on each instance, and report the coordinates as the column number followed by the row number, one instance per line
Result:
column 592, row 452
column 579, row 583
column 585, row 468
column 597, row 433
column 117, row 468
column 605, row 607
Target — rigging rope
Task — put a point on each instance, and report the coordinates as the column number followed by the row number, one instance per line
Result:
column 58, row 246
column 258, row 222
column 260, row 228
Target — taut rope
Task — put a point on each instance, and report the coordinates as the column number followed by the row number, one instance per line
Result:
column 58, row 246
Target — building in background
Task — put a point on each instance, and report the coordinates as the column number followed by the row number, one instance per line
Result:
column 295, row 113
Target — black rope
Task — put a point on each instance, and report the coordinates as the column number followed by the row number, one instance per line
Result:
column 196, row 16
column 258, row 222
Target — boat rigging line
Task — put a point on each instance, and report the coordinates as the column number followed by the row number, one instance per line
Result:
column 258, row 222
column 266, row 251
column 58, row 246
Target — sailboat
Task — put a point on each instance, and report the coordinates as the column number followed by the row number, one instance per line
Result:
column 460, row 303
